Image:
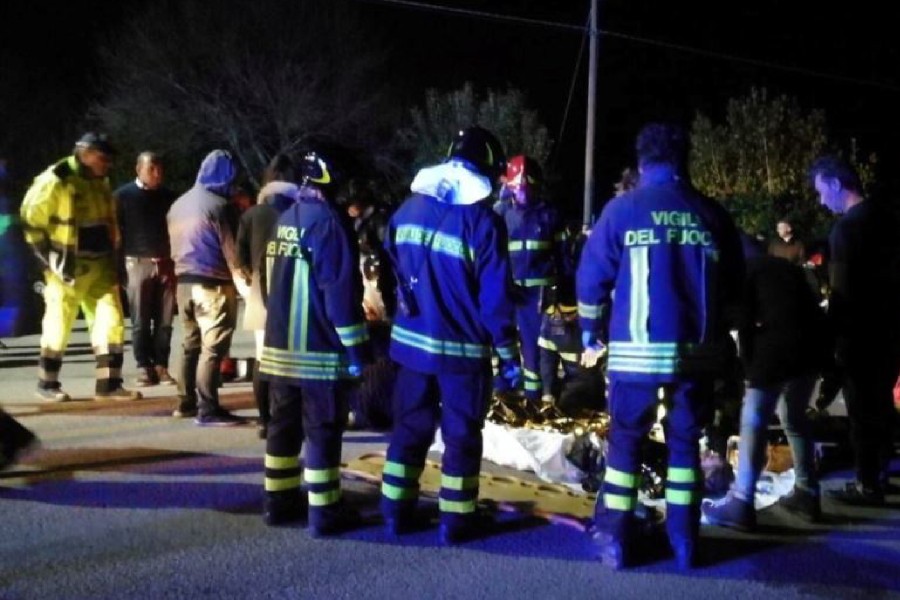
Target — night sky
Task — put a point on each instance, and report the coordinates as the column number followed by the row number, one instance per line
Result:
column 843, row 62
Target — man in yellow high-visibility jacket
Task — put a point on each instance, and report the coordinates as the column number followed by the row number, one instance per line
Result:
column 69, row 219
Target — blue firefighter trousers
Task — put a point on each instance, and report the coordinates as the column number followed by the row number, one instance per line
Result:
column 317, row 412
column 458, row 402
column 633, row 410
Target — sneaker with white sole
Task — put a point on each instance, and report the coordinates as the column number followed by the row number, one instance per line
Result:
column 730, row 511
column 52, row 395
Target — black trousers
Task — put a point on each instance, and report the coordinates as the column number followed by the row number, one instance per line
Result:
column 151, row 301
column 868, row 392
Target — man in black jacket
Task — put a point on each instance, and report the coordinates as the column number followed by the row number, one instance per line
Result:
column 863, row 273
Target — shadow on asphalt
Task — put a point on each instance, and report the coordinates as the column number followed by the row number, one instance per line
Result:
column 160, row 406
column 779, row 555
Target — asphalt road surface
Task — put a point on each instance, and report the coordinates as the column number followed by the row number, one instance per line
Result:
column 123, row 501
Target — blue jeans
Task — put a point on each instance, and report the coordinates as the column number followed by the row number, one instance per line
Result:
column 759, row 404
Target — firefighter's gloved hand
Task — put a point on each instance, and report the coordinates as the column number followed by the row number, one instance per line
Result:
column 593, row 349
column 590, row 342
column 511, row 372
column 355, row 370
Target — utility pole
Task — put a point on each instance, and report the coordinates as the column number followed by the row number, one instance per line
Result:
column 591, row 127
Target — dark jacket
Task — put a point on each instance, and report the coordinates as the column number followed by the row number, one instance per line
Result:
column 257, row 226
column 536, row 242
column 793, row 250
column 864, row 269
column 782, row 333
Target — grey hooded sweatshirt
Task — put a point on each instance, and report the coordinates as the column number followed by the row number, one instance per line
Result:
column 202, row 224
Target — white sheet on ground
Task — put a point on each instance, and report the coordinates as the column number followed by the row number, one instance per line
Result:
column 542, row 452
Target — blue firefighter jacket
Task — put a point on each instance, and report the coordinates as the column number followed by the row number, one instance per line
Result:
column 449, row 252
column 536, row 238
column 662, row 270
column 314, row 326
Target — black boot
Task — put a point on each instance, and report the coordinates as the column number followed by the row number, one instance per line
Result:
column 282, row 508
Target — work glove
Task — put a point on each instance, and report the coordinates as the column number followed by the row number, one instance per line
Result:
column 511, row 372
column 593, row 349
column 355, row 370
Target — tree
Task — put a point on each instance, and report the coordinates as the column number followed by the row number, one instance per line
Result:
column 757, row 162
column 506, row 114
column 256, row 78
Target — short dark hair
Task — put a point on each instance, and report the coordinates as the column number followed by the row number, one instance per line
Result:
column 835, row 167
column 662, row 143
column 280, row 168
column 149, row 157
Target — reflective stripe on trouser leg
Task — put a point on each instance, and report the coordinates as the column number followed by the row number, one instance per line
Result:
column 324, row 486
column 465, row 397
column 683, row 496
column 49, row 366
column 399, row 482
column 688, row 406
column 532, row 383
column 282, row 473
column 632, row 410
column 283, row 439
column 108, row 372
column 459, row 494
column 500, row 384
column 614, row 511
column 528, row 318
column 416, row 409
column 325, row 406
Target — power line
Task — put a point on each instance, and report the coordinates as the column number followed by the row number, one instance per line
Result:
column 639, row 40
column 565, row 119
column 478, row 14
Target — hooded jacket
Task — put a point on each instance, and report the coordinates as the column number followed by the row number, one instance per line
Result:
column 202, row 224
column 449, row 251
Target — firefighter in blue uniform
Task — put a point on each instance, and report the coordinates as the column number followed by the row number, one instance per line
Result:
column 315, row 345
column 673, row 258
column 581, row 386
column 536, row 239
column 454, row 308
